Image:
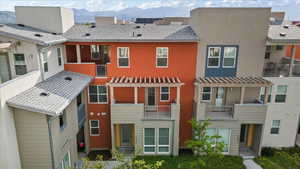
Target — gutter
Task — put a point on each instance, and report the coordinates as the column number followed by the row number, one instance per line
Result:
column 50, row 141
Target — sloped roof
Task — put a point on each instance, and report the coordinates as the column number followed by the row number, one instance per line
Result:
column 27, row 33
column 57, row 93
column 292, row 34
column 131, row 32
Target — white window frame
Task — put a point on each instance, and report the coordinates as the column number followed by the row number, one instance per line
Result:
column 234, row 57
column 219, row 57
column 158, row 146
column 278, row 127
column 202, row 92
column 278, row 93
column 59, row 57
column 16, row 64
column 97, row 95
column 161, row 92
column 91, row 127
column 118, row 57
column 155, row 141
column 97, row 51
column 161, row 56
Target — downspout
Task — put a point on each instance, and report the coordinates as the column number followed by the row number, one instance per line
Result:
column 51, row 141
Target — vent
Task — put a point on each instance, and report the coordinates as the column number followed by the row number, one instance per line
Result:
column 286, row 26
column 53, row 33
column 44, row 94
column 138, row 27
column 38, row 35
column 139, row 35
column 68, row 78
column 22, row 25
column 93, row 26
column 282, row 34
column 87, row 34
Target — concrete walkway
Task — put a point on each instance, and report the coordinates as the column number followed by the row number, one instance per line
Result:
column 250, row 164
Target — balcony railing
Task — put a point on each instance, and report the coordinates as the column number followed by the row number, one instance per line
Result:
column 81, row 115
column 101, row 71
column 215, row 108
column 281, row 70
column 157, row 112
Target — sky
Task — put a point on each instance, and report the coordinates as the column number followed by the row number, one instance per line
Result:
column 292, row 7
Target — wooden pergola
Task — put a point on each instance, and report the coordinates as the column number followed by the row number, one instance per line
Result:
column 136, row 82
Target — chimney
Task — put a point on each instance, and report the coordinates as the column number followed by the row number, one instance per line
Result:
column 51, row 19
column 105, row 20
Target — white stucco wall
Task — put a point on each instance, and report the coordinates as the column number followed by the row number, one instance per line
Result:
column 287, row 113
column 9, row 154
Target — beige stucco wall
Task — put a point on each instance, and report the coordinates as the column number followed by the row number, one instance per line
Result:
column 9, row 154
column 245, row 27
column 52, row 19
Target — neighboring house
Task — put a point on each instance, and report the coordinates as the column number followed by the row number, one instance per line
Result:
column 229, row 75
column 142, row 95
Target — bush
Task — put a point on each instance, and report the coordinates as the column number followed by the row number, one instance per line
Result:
column 268, row 151
column 265, row 163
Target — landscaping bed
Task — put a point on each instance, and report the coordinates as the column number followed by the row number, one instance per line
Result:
column 182, row 161
column 285, row 158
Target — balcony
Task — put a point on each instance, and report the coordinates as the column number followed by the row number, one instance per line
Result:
column 281, row 70
column 81, row 115
column 157, row 112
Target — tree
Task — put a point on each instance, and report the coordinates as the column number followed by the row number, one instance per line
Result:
column 201, row 143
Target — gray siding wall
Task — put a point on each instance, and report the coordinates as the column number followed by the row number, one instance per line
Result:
column 33, row 139
column 250, row 113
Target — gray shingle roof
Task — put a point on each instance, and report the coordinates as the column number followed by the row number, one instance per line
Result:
column 292, row 34
column 129, row 32
column 29, row 34
column 60, row 93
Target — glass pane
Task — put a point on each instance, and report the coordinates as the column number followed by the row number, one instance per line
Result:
column 229, row 51
column 164, row 97
column 205, row 96
column 213, row 61
column 211, row 132
column 149, row 136
column 274, row 130
column 94, row 123
column 228, row 62
column 19, row 58
column 163, row 136
column 206, row 89
column 123, row 62
column 93, row 98
column 102, row 89
column 58, row 52
column 46, row 67
column 281, row 89
column 95, row 131
column 162, row 61
column 163, row 149
column 149, row 149
column 93, row 89
column 123, row 52
column 214, row 52
column 20, row 69
column 276, row 123
column 164, row 89
column 224, row 134
column 280, row 98
column 102, row 98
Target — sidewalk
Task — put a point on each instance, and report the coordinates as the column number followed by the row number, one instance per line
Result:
column 250, row 164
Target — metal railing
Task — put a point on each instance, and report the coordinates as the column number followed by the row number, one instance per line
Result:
column 101, row 70
column 157, row 112
column 281, row 70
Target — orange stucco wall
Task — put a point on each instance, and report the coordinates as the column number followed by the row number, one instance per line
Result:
column 289, row 52
column 181, row 63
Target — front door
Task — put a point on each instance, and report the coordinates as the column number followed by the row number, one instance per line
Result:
column 151, row 96
column 125, row 135
column 243, row 135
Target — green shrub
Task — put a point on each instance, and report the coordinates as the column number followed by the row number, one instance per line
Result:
column 265, row 163
column 268, row 151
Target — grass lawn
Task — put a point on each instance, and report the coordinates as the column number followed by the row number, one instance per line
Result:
column 287, row 158
column 223, row 162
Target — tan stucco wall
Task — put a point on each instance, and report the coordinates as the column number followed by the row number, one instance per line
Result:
column 245, row 27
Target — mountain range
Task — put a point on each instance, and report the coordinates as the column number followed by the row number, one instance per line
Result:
column 83, row 15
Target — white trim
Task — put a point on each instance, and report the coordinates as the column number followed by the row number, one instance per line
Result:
column 219, row 57
column 169, row 146
column 97, row 95
column 277, row 127
column 14, row 62
column 128, row 57
column 164, row 93
column 149, row 145
column 98, row 127
column 224, row 57
column 278, row 93
column 158, row 56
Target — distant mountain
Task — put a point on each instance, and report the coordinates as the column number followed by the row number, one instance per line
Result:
column 83, row 15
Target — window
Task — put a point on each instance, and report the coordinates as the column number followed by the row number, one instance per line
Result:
column 45, row 61
column 79, row 100
column 95, row 52
column 123, row 56
column 279, row 47
column 275, row 127
column 206, row 93
column 94, row 128
column 20, row 65
column 59, row 58
column 163, row 140
column 229, row 57
column 98, row 94
column 262, row 94
column 65, row 162
column 214, row 54
column 100, row 70
column 149, row 140
column 162, row 56
column 164, row 94
column 224, row 134
column 63, row 120
column 281, row 94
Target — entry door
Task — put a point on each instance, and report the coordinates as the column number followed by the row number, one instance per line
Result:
column 151, row 96
column 125, row 135
column 4, row 68
column 243, row 134
column 220, row 96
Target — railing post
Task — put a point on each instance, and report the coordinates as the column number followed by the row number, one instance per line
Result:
column 242, row 95
column 78, row 54
column 135, row 95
